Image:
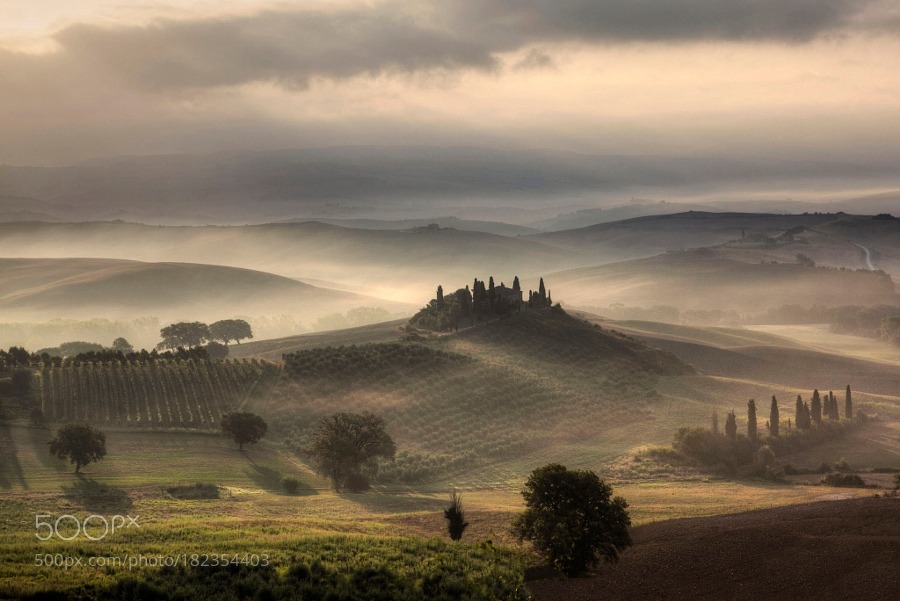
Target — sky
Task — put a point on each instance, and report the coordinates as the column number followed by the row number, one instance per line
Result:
column 798, row 79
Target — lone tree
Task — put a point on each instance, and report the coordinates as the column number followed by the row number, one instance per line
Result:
column 346, row 446
column 751, row 420
column 572, row 519
column 227, row 330
column 848, row 404
column 120, row 345
column 773, row 418
column 244, row 427
column 79, row 443
column 183, row 334
column 456, row 519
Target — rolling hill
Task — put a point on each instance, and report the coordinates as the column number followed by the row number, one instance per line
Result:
column 40, row 289
column 745, row 281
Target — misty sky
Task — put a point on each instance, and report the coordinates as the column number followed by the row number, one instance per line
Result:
column 817, row 79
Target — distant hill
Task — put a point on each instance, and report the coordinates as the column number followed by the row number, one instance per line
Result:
column 488, row 227
column 748, row 282
column 40, row 289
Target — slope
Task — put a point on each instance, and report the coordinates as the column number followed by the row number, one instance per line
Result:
column 77, row 288
column 482, row 405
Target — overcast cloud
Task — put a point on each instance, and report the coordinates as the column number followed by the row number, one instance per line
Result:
column 109, row 86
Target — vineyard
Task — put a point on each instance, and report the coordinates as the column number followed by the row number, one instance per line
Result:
column 157, row 394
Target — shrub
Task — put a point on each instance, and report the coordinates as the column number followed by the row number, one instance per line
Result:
column 847, row 480
column 193, row 492
column 456, row 519
column 291, row 485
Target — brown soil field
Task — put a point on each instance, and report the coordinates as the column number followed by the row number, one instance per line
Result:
column 841, row 550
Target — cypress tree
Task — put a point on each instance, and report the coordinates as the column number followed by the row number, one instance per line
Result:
column 848, row 404
column 773, row 418
column 542, row 291
column 440, row 297
column 516, row 284
column 491, row 294
column 731, row 426
column 833, row 414
column 798, row 412
column 816, row 407
column 751, row 420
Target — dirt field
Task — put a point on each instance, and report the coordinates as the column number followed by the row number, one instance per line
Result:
column 842, row 550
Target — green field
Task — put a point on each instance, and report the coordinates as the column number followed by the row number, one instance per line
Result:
column 474, row 411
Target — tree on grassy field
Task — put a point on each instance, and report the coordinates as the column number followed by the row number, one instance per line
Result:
column 848, row 404
column 773, row 418
column 731, row 426
column 244, row 427
column 346, row 446
column 79, row 443
column 227, row 330
column 183, row 334
column 751, row 420
column 456, row 519
column 572, row 519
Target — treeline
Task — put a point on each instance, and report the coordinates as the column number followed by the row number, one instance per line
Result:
column 813, row 423
column 483, row 301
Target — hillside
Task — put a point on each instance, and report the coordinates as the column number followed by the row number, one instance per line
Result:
column 390, row 264
column 745, row 281
column 485, row 403
column 41, row 289
column 834, row 550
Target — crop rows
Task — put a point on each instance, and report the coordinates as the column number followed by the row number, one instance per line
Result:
column 158, row 394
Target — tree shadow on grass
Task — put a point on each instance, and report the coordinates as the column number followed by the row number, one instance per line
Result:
column 39, row 437
column 97, row 496
column 11, row 473
column 272, row 480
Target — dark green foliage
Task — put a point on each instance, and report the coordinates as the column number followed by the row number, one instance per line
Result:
column 731, row 426
column 79, row 443
column 227, row 330
column 751, row 420
column 291, row 485
column 797, row 440
column 197, row 353
column 774, row 429
column 193, row 492
column 572, row 519
column 186, row 334
column 216, row 351
column 346, row 445
column 21, row 381
column 70, row 349
column 456, row 518
column 714, row 450
column 244, row 427
column 816, row 407
column 335, row 569
column 802, row 414
column 846, row 480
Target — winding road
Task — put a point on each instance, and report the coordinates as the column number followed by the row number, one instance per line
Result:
column 868, row 256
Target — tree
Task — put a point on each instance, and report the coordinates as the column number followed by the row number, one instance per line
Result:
column 440, row 297
column 227, row 330
column 71, row 349
column 751, row 420
column 816, row 409
column 21, row 381
column 456, row 519
column 347, row 445
column 572, row 519
column 773, row 418
column 244, row 427
column 79, row 443
column 714, row 424
column 120, row 345
column 216, row 351
column 183, row 334
column 848, row 404
column 731, row 426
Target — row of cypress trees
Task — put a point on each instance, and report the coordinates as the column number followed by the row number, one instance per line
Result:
column 804, row 414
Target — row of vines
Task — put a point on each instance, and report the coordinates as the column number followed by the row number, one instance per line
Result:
column 158, row 394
